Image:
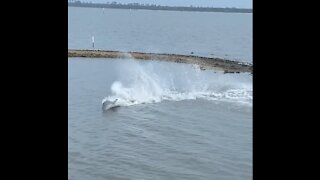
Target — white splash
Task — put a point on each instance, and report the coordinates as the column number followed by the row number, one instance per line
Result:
column 154, row 82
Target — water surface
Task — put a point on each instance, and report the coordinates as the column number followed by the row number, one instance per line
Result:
column 187, row 124
column 211, row 34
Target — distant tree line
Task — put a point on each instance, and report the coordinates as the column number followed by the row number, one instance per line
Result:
column 116, row 5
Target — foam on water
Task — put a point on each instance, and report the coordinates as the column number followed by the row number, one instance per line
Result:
column 154, row 82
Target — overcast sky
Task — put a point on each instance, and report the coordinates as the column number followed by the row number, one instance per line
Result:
column 214, row 3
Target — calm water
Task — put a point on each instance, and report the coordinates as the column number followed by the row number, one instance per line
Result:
column 184, row 123
column 226, row 35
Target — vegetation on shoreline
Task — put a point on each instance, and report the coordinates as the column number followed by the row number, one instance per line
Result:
column 116, row 5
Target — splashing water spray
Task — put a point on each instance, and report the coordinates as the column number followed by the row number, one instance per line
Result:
column 154, row 82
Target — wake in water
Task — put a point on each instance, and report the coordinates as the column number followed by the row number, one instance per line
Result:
column 154, row 82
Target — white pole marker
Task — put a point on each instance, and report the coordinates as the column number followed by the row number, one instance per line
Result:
column 92, row 41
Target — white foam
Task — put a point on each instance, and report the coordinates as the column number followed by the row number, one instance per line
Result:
column 154, row 82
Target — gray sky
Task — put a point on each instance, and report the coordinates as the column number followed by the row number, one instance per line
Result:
column 213, row 3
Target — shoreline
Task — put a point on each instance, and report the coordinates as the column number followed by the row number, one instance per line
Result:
column 133, row 6
column 216, row 64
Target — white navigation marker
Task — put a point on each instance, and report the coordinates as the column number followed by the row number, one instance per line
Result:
column 92, row 41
